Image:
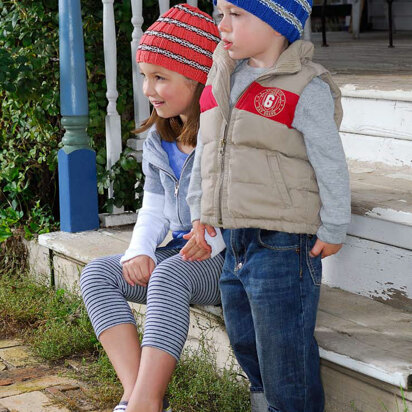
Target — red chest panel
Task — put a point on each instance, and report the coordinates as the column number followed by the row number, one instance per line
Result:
column 207, row 100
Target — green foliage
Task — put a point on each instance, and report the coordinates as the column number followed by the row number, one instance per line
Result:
column 198, row 385
column 29, row 122
column 127, row 176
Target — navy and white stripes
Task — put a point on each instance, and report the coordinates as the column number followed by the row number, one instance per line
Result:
column 173, row 286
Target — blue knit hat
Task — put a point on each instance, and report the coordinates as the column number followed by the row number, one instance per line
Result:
column 287, row 17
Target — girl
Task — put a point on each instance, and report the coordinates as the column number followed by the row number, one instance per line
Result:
column 174, row 55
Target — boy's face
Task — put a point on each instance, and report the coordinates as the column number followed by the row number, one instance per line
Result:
column 245, row 35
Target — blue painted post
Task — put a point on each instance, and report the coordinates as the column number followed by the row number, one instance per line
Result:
column 77, row 161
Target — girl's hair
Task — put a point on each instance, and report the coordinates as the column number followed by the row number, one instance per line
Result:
column 172, row 129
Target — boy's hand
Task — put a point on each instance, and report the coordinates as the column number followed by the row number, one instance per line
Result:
column 138, row 270
column 197, row 248
column 327, row 249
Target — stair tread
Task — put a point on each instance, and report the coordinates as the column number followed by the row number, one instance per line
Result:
column 381, row 191
column 376, row 86
column 361, row 334
column 369, row 336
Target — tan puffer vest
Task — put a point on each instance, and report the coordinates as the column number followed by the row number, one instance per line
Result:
column 255, row 169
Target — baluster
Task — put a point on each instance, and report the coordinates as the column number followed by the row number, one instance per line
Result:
column 215, row 13
column 113, row 127
column 141, row 104
column 164, row 5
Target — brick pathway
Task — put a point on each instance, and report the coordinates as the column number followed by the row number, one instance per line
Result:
column 29, row 386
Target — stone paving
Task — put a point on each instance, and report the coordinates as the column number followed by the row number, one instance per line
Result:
column 26, row 385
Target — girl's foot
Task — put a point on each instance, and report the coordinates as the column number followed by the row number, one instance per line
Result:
column 166, row 406
column 121, row 407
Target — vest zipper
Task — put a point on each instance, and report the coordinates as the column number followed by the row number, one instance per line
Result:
column 222, row 149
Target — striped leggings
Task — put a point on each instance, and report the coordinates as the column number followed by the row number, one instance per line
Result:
column 173, row 286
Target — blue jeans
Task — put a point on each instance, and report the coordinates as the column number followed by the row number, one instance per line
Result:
column 270, row 291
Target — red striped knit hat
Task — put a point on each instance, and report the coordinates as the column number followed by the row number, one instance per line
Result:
column 183, row 40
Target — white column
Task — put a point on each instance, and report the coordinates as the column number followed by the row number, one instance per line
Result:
column 113, row 128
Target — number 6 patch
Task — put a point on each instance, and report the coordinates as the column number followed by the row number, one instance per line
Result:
column 270, row 102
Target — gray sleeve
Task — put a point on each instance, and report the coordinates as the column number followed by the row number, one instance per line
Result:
column 194, row 194
column 314, row 119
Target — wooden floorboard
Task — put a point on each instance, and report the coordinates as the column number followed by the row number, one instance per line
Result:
column 368, row 55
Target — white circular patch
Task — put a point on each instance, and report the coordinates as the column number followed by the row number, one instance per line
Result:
column 270, row 102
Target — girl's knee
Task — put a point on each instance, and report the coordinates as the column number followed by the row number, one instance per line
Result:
column 97, row 271
column 168, row 275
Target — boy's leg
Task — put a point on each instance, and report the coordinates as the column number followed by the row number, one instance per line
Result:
column 283, row 284
column 238, row 318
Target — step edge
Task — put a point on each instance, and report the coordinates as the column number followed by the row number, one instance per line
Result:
column 398, row 379
column 399, row 235
column 353, row 91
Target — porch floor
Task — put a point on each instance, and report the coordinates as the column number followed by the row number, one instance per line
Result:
column 368, row 61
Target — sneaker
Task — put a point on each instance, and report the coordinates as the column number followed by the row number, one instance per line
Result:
column 121, row 407
column 166, row 405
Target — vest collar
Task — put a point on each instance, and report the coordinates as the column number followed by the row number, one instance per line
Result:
column 289, row 62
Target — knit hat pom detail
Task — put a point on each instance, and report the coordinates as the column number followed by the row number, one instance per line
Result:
column 182, row 40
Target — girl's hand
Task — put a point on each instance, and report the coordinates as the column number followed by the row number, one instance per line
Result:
column 192, row 251
column 197, row 248
column 138, row 270
column 327, row 249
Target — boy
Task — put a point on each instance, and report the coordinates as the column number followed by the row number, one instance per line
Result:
column 270, row 170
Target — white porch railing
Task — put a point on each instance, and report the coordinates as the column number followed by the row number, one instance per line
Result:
column 141, row 104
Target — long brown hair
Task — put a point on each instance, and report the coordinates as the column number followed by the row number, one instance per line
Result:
column 173, row 128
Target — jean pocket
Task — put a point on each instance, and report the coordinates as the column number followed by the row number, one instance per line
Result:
column 272, row 239
column 314, row 263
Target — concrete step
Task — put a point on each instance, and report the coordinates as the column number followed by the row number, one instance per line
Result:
column 365, row 345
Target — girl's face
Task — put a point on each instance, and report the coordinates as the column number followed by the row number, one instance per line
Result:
column 169, row 92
